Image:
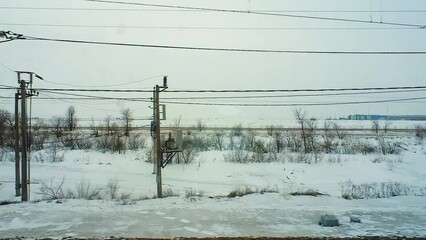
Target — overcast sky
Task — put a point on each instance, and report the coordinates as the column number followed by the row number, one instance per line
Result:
column 92, row 65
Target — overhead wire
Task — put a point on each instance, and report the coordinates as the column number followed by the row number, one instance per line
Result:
column 105, row 85
column 182, row 10
column 259, row 13
column 294, row 104
column 208, row 27
column 30, row 38
column 232, row 90
column 5, row 66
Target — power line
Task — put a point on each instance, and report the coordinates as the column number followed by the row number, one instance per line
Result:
column 182, row 10
column 294, row 104
column 8, row 68
column 261, row 13
column 223, row 49
column 104, row 98
column 92, row 97
column 208, row 28
column 234, row 90
column 111, row 85
column 289, row 96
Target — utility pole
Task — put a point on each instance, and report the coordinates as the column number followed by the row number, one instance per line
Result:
column 157, row 142
column 23, row 188
column 154, row 157
column 24, row 133
column 17, row 157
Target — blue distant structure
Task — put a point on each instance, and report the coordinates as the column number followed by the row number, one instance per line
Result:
column 387, row 117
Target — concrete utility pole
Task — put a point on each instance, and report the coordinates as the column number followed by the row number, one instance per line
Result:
column 24, row 134
column 154, row 157
column 17, row 157
column 23, row 187
column 159, row 152
column 158, row 143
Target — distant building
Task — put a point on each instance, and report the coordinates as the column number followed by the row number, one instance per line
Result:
column 387, row 117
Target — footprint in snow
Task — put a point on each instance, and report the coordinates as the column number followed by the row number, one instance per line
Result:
column 160, row 213
column 170, row 218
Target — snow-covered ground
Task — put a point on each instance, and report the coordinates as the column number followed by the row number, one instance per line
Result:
column 135, row 213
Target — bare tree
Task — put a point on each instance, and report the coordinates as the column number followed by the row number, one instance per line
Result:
column 94, row 128
column 301, row 120
column 108, row 123
column 200, row 125
column 328, row 137
column 57, row 124
column 375, row 126
column 387, row 125
column 126, row 115
column 270, row 129
column 341, row 134
column 6, row 127
column 219, row 140
column 71, row 118
column 39, row 134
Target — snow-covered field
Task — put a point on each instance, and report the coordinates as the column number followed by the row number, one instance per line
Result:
column 134, row 212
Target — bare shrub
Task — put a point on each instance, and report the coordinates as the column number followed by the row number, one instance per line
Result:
column 387, row 147
column 135, row 142
column 85, row 190
column 299, row 158
column 57, row 125
column 340, row 133
column 308, row 128
column 364, row 147
column 293, row 142
column 95, row 129
column 237, row 130
column 169, row 193
column 218, row 140
column 309, row 192
column 118, row 144
column 112, row 188
column 334, row 159
column 278, row 141
column 250, row 139
column 237, row 156
column 349, row 190
column 190, row 192
column 270, row 130
column 70, row 140
column 104, row 143
column 267, row 190
column 6, row 128
column 200, row 142
column 239, row 192
column 328, row 137
column 54, row 153
column 420, row 133
column 84, row 143
column 39, row 135
column 7, row 154
column 200, row 125
column 189, row 152
column 52, row 189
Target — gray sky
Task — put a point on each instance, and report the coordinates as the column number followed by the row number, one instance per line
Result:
column 93, row 65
